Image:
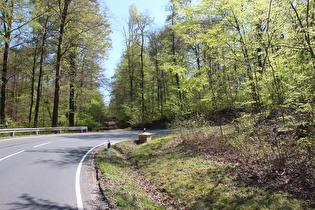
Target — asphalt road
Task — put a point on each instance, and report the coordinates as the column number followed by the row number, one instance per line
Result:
column 45, row 172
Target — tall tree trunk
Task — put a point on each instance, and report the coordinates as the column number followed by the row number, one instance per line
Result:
column 72, row 88
column 131, row 77
column 159, row 86
column 4, row 78
column 255, row 95
column 39, row 84
column 64, row 13
column 174, row 54
column 7, row 16
column 142, row 74
column 33, row 85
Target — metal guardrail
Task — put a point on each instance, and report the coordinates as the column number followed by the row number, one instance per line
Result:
column 36, row 130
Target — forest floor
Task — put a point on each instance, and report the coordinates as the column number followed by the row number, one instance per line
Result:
column 202, row 170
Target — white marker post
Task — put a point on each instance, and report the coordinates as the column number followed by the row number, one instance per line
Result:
column 108, row 148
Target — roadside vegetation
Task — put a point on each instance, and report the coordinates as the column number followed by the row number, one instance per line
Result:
column 247, row 164
column 246, row 67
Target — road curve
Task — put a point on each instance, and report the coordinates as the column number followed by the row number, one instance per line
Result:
column 40, row 172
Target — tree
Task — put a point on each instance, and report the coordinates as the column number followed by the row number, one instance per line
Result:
column 63, row 10
column 8, row 9
column 87, row 43
column 42, row 32
column 142, row 21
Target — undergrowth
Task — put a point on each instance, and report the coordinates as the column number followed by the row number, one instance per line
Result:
column 250, row 166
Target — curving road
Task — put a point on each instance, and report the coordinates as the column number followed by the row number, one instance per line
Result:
column 47, row 172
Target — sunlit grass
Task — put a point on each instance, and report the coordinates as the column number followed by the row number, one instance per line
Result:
column 121, row 183
column 197, row 181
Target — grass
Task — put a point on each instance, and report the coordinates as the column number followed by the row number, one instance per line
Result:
column 184, row 177
column 122, row 183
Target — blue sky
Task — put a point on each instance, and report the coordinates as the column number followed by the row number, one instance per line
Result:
column 118, row 16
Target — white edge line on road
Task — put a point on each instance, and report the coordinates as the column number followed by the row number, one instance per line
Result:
column 77, row 179
column 41, row 144
column 11, row 155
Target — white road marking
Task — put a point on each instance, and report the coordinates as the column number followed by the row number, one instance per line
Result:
column 77, row 179
column 11, row 155
column 41, row 144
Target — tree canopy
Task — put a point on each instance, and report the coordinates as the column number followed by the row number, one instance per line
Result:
column 218, row 55
column 209, row 56
column 51, row 63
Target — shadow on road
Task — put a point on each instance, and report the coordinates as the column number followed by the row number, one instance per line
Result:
column 64, row 158
column 29, row 202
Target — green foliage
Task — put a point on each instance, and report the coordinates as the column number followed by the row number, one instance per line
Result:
column 32, row 27
column 217, row 54
column 182, row 124
column 92, row 112
column 182, row 166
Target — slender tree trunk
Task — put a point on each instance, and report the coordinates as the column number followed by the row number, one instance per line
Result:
column 253, row 88
column 174, row 63
column 197, row 54
column 33, row 85
column 142, row 74
column 174, row 52
column 4, row 78
column 129, row 51
column 58, row 65
column 130, row 69
column 72, row 88
column 39, row 84
column 306, row 33
column 7, row 16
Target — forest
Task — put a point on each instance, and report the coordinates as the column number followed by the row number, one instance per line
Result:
column 213, row 60
column 217, row 58
column 239, row 75
column 51, row 64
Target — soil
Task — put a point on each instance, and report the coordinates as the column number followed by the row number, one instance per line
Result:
column 92, row 187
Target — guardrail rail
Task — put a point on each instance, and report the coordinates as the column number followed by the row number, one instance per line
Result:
column 36, row 130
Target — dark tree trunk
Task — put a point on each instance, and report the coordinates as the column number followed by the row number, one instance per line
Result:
column 7, row 16
column 58, row 65
column 39, row 84
column 4, row 78
column 72, row 89
column 33, row 85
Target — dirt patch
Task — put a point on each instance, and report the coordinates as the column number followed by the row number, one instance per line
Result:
column 111, row 124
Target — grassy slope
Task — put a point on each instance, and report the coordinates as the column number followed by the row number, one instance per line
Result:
column 166, row 173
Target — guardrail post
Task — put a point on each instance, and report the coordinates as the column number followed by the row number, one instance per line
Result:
column 12, row 134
